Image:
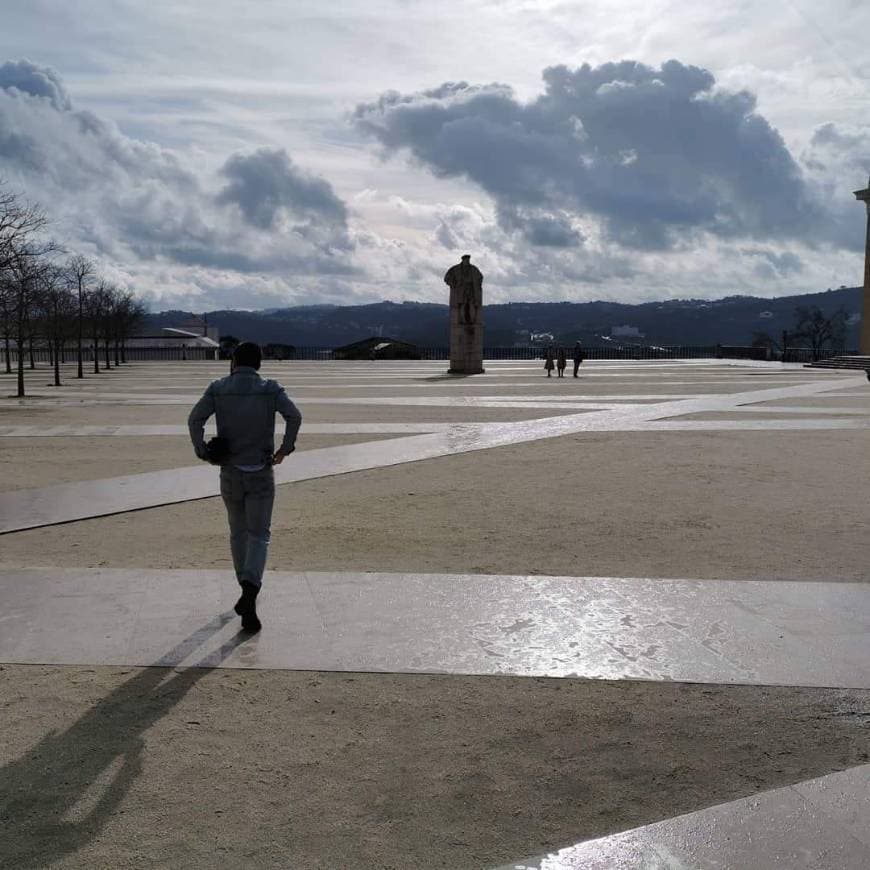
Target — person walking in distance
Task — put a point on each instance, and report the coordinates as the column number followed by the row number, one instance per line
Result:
column 548, row 362
column 578, row 357
column 244, row 405
column 561, row 361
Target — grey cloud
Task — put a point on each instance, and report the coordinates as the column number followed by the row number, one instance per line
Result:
column 653, row 154
column 772, row 263
column 837, row 159
column 785, row 263
column 28, row 78
column 266, row 182
column 552, row 230
column 446, row 237
column 135, row 200
column 835, row 136
column 213, row 257
column 77, row 150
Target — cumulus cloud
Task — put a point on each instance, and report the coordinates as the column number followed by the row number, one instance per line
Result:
column 656, row 155
column 618, row 181
column 126, row 200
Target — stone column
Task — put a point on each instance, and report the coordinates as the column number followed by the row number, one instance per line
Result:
column 864, row 343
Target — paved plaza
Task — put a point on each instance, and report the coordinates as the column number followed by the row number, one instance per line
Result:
column 510, row 621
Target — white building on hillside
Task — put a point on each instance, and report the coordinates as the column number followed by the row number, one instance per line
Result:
column 625, row 331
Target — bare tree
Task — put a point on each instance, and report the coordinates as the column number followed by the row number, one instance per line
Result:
column 39, row 300
column 80, row 273
column 93, row 311
column 28, row 265
column 110, row 303
column 20, row 224
column 133, row 320
column 57, row 307
column 7, row 321
column 128, row 312
column 819, row 332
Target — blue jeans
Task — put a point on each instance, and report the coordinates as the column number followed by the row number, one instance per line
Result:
column 249, row 496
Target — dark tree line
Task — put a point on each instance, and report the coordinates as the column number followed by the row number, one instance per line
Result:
column 56, row 302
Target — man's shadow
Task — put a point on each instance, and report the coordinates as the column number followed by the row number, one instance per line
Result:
column 40, row 822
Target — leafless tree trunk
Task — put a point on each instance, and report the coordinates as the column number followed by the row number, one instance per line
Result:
column 20, row 348
column 95, row 327
column 57, row 306
column 5, row 307
column 128, row 313
column 80, row 272
column 99, row 300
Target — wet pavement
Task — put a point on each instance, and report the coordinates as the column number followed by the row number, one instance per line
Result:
column 700, row 631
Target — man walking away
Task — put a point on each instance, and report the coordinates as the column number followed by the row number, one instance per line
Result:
column 578, row 357
column 244, row 406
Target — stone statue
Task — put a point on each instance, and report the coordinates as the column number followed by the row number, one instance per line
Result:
column 466, row 329
column 466, row 289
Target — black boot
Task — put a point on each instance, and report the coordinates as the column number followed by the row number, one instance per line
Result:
column 246, row 607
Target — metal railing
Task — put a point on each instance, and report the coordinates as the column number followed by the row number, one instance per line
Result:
column 131, row 354
column 313, row 353
column 535, row 352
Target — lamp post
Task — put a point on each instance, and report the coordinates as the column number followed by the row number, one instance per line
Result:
column 864, row 344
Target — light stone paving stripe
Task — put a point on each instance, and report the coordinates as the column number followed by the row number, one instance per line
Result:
column 561, row 401
column 755, row 632
column 676, row 425
column 800, row 409
column 132, row 430
column 23, row 509
column 819, row 824
column 792, row 425
column 337, row 384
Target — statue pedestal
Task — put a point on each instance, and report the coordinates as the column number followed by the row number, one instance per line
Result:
column 466, row 347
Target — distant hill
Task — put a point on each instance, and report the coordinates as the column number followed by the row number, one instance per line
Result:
column 732, row 320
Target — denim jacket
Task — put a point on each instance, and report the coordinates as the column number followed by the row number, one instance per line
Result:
column 244, row 405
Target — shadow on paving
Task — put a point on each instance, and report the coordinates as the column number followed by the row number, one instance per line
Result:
column 396, row 772
column 101, row 751
column 442, row 377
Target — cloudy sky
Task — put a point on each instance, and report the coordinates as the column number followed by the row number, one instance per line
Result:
column 287, row 152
